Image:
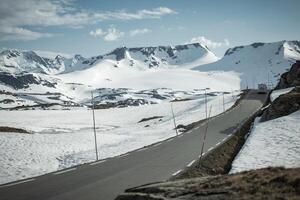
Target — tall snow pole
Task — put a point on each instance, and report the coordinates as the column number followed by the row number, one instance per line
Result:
column 174, row 121
column 223, row 103
column 205, row 96
column 204, row 136
column 94, row 124
column 269, row 84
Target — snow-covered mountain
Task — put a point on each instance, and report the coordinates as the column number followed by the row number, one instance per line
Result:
column 164, row 56
column 17, row 61
column 26, row 78
column 29, row 79
column 258, row 62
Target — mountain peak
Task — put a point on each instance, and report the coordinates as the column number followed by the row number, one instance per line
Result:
column 154, row 56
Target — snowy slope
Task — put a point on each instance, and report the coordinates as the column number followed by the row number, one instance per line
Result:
column 279, row 139
column 64, row 138
column 258, row 62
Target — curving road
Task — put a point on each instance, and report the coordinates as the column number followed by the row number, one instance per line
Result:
column 105, row 179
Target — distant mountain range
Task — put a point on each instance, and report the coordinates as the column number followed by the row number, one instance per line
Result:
column 15, row 61
column 135, row 76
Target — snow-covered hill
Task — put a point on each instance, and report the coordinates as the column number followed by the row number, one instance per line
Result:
column 258, row 62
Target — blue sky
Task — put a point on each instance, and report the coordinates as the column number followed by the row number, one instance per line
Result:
column 95, row 27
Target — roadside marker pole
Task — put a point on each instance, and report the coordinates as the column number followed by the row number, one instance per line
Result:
column 95, row 136
column 223, row 103
column 205, row 132
column 205, row 103
column 174, row 119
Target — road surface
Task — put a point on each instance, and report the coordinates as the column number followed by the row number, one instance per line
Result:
column 105, row 179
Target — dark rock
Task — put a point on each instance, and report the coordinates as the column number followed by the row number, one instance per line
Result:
column 232, row 50
column 257, row 44
column 290, row 78
column 268, row 183
column 119, row 53
column 278, row 50
column 7, row 101
column 22, row 80
column 150, row 118
column 283, row 105
column 12, row 129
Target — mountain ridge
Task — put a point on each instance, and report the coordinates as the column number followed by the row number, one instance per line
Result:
column 17, row 61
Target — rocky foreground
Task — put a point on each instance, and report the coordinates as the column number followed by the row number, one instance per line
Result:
column 269, row 183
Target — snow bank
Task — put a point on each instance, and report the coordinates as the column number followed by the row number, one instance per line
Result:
column 272, row 143
column 276, row 93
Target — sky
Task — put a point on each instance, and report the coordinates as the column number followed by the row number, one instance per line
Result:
column 92, row 28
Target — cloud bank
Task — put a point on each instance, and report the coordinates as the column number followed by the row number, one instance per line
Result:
column 20, row 19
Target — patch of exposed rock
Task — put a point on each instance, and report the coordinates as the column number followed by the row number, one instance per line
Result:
column 283, row 105
column 268, row 183
column 12, row 129
column 290, row 78
column 287, row 103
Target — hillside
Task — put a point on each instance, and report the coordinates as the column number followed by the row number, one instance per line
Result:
column 258, row 62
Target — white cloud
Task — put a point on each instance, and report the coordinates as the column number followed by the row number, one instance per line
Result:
column 97, row 33
column 15, row 14
column 139, row 31
column 112, row 34
column 16, row 33
column 209, row 43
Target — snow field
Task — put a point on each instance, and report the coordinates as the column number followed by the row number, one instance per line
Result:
column 64, row 138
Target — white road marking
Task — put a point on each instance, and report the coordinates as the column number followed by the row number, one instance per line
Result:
column 156, row 144
column 211, row 148
column 174, row 174
column 142, row 149
column 98, row 162
column 64, row 171
column 120, row 156
column 191, row 163
column 11, row 184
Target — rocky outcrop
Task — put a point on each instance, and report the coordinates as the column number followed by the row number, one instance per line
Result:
column 21, row 81
column 287, row 103
column 269, row 183
column 290, row 78
column 283, row 105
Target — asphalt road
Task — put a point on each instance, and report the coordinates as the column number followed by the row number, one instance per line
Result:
column 105, row 179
